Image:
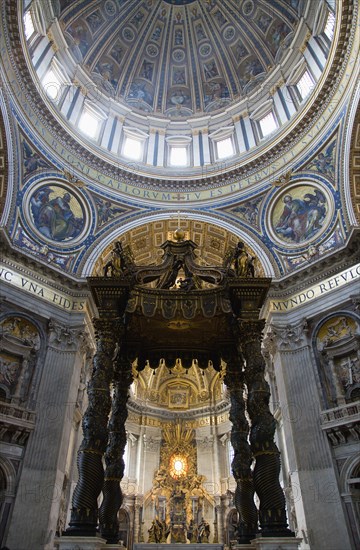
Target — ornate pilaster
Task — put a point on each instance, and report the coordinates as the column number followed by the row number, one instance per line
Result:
column 113, row 498
column 272, row 513
column 217, row 511
column 241, row 464
column 138, row 520
column 84, row 513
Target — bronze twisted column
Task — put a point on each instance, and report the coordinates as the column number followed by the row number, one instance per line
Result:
column 84, row 513
column 272, row 514
column 114, row 472
column 241, row 464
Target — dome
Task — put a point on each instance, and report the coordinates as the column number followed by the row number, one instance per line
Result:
column 179, row 59
column 155, row 86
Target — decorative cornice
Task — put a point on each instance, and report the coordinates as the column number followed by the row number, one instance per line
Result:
column 17, row 423
column 36, row 268
column 166, row 415
column 342, row 424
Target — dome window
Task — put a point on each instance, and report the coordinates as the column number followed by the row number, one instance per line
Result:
column 223, row 142
column 89, row 124
column 178, row 156
column 51, row 85
column 33, row 19
column 225, row 148
column 134, row 143
column 28, row 25
column 330, row 25
column 305, row 85
column 132, row 148
column 267, row 124
column 54, row 81
column 91, row 120
column 178, row 150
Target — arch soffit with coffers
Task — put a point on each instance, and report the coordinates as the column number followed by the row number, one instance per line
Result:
column 223, row 231
column 352, row 191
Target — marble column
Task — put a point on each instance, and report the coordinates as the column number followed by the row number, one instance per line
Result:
column 310, row 461
column 114, row 472
column 272, row 514
column 241, row 464
column 39, row 491
column 84, row 513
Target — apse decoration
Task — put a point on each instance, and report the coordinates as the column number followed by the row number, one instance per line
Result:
column 300, row 214
column 56, row 213
column 178, row 495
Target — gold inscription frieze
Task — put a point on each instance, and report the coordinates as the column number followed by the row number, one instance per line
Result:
column 41, row 290
column 323, row 288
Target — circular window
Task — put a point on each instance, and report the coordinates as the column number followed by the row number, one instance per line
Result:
column 178, row 466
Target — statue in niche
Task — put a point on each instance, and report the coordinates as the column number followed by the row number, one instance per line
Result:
column 338, row 345
column 19, row 343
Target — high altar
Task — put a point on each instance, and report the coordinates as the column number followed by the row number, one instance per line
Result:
column 178, row 496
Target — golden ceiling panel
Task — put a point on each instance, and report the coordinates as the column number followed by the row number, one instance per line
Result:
column 355, row 165
column 145, row 241
column 177, row 389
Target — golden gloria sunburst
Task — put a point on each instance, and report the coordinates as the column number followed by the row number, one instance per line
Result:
column 178, row 466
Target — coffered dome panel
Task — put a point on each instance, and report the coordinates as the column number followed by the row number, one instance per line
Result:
column 178, row 58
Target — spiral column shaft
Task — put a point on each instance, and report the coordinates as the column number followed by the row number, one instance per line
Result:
column 112, row 495
column 84, row 513
column 241, row 464
column 272, row 514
